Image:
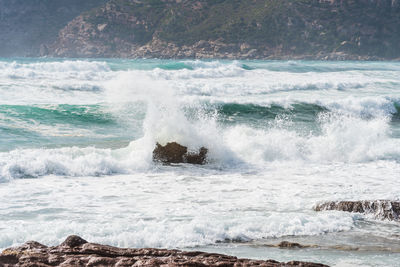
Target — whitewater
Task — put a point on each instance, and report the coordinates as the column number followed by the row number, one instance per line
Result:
column 77, row 136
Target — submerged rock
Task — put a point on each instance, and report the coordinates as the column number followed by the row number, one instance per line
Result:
column 75, row 251
column 176, row 153
column 287, row 244
column 381, row 209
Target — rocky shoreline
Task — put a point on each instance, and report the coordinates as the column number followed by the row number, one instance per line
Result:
column 200, row 29
column 211, row 49
column 268, row 30
column 75, row 251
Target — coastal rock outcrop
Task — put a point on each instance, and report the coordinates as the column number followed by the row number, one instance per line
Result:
column 381, row 209
column 176, row 153
column 75, row 251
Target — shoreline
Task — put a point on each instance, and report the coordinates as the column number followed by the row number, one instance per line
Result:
column 272, row 58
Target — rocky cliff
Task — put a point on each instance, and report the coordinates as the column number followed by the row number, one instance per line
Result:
column 314, row 29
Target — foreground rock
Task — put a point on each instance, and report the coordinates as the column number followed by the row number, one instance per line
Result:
column 75, row 251
column 176, row 153
column 381, row 209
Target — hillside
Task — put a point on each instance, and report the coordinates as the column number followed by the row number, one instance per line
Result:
column 264, row 29
column 26, row 26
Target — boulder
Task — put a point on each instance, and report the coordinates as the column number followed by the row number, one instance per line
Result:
column 76, row 251
column 176, row 153
column 381, row 209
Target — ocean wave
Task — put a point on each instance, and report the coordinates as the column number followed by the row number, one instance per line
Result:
column 41, row 82
column 218, row 71
column 249, row 117
column 21, row 124
column 73, row 161
column 180, row 233
column 224, row 81
column 349, row 130
column 55, row 67
column 363, row 108
column 75, row 114
column 341, row 138
column 329, row 66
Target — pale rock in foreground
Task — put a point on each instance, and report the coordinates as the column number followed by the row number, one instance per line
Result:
column 75, row 251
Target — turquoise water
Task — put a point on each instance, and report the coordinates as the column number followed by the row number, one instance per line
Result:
column 76, row 141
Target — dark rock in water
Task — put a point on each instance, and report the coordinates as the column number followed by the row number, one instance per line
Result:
column 231, row 240
column 176, row 153
column 75, row 251
column 195, row 158
column 287, row 244
column 381, row 209
column 170, row 153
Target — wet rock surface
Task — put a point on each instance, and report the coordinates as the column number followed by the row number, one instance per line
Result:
column 381, row 209
column 75, row 251
column 176, row 153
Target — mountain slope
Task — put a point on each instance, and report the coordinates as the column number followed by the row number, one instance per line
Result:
column 25, row 26
column 315, row 29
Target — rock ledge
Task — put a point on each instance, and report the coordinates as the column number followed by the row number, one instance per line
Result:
column 75, row 251
column 381, row 209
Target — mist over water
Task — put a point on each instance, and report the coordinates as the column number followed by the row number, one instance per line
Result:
column 77, row 138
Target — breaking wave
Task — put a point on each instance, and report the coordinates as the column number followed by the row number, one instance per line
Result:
column 247, row 113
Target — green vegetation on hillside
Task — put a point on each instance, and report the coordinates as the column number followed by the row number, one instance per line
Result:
column 361, row 27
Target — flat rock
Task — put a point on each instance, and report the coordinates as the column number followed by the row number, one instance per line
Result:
column 75, row 251
column 381, row 209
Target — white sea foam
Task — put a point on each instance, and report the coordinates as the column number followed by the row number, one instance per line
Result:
column 175, row 233
column 30, row 70
column 343, row 139
column 83, row 82
column 51, row 82
column 180, row 208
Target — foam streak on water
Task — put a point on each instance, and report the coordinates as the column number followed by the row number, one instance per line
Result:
column 76, row 141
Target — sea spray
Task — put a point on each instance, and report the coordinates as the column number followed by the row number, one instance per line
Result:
column 166, row 119
column 341, row 138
